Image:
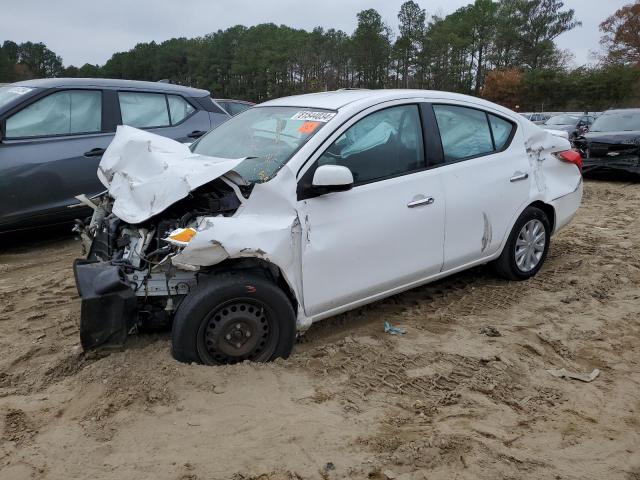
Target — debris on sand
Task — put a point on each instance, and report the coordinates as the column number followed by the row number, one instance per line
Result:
column 393, row 330
column 490, row 331
column 583, row 377
column 389, row 475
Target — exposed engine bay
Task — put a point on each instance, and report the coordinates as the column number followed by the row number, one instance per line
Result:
column 131, row 264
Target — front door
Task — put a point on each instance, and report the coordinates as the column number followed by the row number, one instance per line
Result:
column 385, row 233
column 50, row 153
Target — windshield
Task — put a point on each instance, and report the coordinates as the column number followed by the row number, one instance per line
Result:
column 562, row 120
column 617, row 122
column 10, row 93
column 268, row 136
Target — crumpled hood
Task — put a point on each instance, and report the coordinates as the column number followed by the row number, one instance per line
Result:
column 147, row 173
column 609, row 145
column 614, row 138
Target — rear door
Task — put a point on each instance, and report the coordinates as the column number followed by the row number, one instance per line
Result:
column 386, row 232
column 49, row 153
column 169, row 115
column 486, row 176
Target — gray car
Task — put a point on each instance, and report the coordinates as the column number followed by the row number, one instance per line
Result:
column 574, row 125
column 53, row 133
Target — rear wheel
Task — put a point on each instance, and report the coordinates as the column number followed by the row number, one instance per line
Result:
column 527, row 246
column 234, row 317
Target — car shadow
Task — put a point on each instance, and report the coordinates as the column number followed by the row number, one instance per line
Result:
column 14, row 242
column 612, row 176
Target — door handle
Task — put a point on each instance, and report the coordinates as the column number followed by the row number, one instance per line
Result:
column 420, row 202
column 518, row 176
column 196, row 134
column 94, row 152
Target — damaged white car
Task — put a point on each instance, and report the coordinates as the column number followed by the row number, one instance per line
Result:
column 305, row 207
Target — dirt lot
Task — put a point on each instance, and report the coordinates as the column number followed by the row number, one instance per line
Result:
column 443, row 401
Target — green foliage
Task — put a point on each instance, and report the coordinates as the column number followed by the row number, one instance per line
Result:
column 28, row 60
column 506, row 45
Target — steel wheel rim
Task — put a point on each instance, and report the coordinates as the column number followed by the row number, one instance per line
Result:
column 530, row 245
column 237, row 330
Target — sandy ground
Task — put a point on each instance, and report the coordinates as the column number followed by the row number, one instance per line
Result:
column 444, row 401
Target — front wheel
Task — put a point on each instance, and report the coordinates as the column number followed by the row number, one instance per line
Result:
column 234, row 317
column 527, row 246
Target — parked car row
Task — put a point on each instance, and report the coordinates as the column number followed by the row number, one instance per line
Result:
column 53, row 133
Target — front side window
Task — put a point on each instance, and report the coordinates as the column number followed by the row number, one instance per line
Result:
column 179, row 108
column 384, row 144
column 465, row 132
column 61, row 113
column 266, row 136
column 144, row 110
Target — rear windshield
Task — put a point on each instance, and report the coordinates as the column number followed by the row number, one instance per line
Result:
column 267, row 136
column 10, row 93
column 617, row 122
column 562, row 120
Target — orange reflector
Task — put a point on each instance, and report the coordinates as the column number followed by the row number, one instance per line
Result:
column 181, row 236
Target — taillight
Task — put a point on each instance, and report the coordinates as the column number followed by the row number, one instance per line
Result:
column 571, row 156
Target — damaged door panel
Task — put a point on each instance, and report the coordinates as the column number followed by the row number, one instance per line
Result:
column 290, row 213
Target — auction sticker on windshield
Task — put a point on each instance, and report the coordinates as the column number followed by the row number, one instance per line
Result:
column 308, row 127
column 309, row 116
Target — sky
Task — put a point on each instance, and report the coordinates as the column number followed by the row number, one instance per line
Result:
column 84, row 31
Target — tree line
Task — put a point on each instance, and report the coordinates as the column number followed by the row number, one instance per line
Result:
column 503, row 50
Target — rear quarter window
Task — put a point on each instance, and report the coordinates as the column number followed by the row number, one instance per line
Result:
column 502, row 130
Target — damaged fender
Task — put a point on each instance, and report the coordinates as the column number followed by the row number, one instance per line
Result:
column 539, row 144
column 268, row 228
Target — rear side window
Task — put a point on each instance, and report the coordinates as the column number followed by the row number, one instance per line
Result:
column 384, row 144
column 468, row 133
column 62, row 113
column 179, row 108
column 144, row 110
column 501, row 131
column 464, row 132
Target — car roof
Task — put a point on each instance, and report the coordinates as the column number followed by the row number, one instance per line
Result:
column 622, row 110
column 112, row 83
column 338, row 99
column 233, row 100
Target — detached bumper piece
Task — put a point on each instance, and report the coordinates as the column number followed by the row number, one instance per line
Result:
column 629, row 163
column 108, row 310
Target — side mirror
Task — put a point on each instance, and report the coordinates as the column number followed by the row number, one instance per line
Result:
column 332, row 178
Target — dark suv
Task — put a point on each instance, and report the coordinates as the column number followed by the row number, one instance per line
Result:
column 53, row 133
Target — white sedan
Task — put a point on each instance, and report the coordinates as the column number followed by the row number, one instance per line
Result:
column 308, row 206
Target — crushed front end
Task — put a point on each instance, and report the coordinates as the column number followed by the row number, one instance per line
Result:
column 127, row 281
column 614, row 152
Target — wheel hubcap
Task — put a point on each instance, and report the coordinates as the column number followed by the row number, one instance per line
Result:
column 530, row 245
column 237, row 331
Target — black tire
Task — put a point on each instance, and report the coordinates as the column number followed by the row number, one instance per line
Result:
column 506, row 265
column 254, row 319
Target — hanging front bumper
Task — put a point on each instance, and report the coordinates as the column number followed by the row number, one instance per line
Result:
column 108, row 309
